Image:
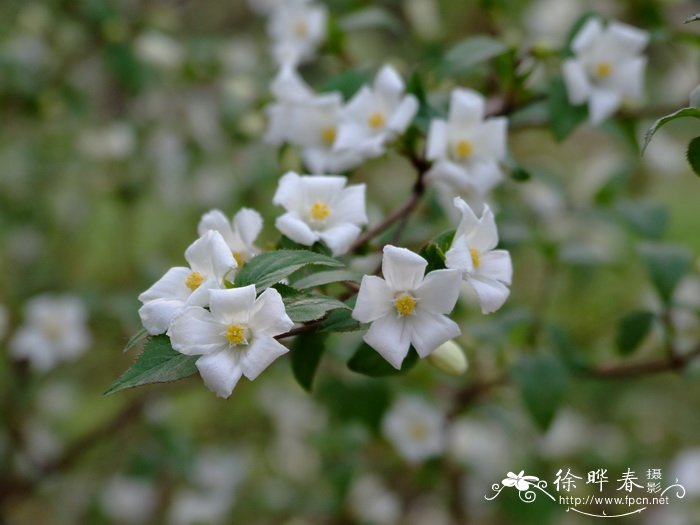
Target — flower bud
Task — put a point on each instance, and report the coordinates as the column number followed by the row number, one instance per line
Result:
column 695, row 97
column 449, row 358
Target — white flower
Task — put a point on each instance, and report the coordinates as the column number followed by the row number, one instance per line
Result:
column 239, row 234
column 370, row 501
column 296, row 29
column 235, row 336
column 406, row 308
column 415, row 428
column 321, row 208
column 377, row 115
column 129, row 500
column 55, row 330
column 466, row 148
column 488, row 271
column 210, row 261
column 159, row 50
column 520, row 481
column 607, row 67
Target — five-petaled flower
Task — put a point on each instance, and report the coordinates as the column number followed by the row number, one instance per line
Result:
column 407, row 308
column 520, row 481
column 466, row 148
column 235, row 337
column 210, row 260
column 239, row 234
column 377, row 115
column 416, row 428
column 320, row 207
column 607, row 67
column 297, row 28
column 487, row 270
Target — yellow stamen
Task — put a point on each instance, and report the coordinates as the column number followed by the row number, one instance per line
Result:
column 240, row 258
column 328, row 135
column 476, row 257
column 604, row 69
column 301, row 30
column 194, row 280
column 417, row 430
column 236, row 334
column 320, row 211
column 405, row 305
column 376, row 120
column 463, row 149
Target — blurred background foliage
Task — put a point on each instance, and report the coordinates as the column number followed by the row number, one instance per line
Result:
column 122, row 122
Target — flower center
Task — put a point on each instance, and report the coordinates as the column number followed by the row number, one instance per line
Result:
column 376, row 120
column 328, row 135
column 405, row 305
column 476, row 257
column 417, row 430
column 194, row 280
column 320, row 211
column 301, row 29
column 240, row 258
column 236, row 334
column 463, row 149
column 603, row 69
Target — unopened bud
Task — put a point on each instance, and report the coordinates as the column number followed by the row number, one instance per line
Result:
column 449, row 358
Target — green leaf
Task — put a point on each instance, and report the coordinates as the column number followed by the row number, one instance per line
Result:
column 269, row 268
column 332, row 276
column 158, row 363
column 371, row 18
column 369, row 362
column 473, row 51
column 563, row 117
column 136, row 339
column 306, row 352
column 646, row 218
column 542, row 381
column 632, row 330
column 364, row 401
column 666, row 265
column 348, row 82
column 693, row 155
column 434, row 252
column 304, row 308
column 341, row 320
column 681, row 113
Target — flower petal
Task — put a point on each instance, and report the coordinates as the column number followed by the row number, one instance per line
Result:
column 403, row 114
column 484, row 237
column 626, row 40
column 439, row 291
column 469, row 220
column 170, row 286
column 289, row 193
column 402, row 269
column 496, row 265
column 467, row 107
column 268, row 316
column 248, row 224
column 430, row 330
column 220, row 371
column 602, row 104
column 591, row 32
column 156, row 315
column 211, row 256
column 195, row 332
column 374, row 300
column 578, row 86
column 259, row 355
column 296, row 229
column 339, row 238
column 437, row 140
column 491, row 139
column 492, row 294
column 217, row 221
column 389, row 83
column 228, row 305
column 628, row 78
column 458, row 257
column 350, row 206
column 391, row 337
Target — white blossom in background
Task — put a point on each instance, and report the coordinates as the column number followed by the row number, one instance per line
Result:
column 239, row 233
column 126, row 499
column 487, row 270
column 607, row 67
column 159, row 50
column 415, row 428
column 321, row 208
column 467, row 148
column 405, row 308
column 193, row 507
column 55, row 329
column 291, row 93
column 235, row 337
column 370, row 501
column 686, row 468
column 297, row 28
column 114, row 142
column 376, row 115
column 210, row 262
column 4, row 321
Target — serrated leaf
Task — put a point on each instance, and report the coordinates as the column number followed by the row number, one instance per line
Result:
column 681, row 113
column 306, row 352
column 158, row 363
column 473, row 51
column 136, row 339
column 304, row 308
column 269, row 268
column 563, row 117
column 632, row 329
column 667, row 265
column 332, row 276
column 693, row 155
column 542, row 381
column 367, row 361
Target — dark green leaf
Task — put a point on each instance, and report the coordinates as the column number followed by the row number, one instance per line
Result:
column 332, row 276
column 348, row 82
column 364, row 401
column 563, row 117
column 158, row 363
column 304, row 308
column 369, row 362
column 693, row 155
column 472, row 51
column 341, row 320
column 632, row 330
column 681, row 113
column 542, row 381
column 667, row 265
column 646, row 218
column 306, row 353
column 269, row 268
column 434, row 252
